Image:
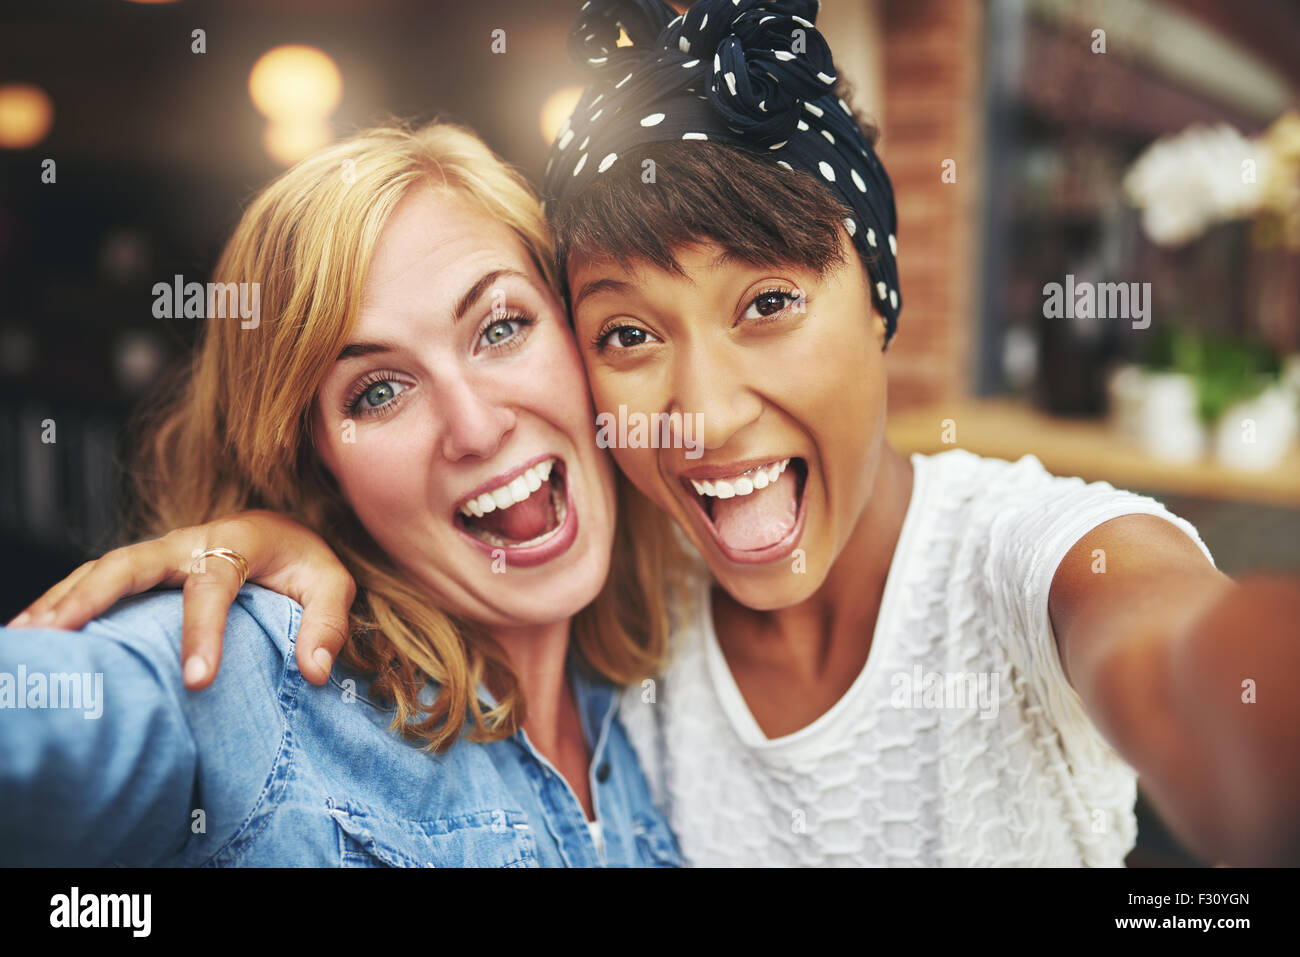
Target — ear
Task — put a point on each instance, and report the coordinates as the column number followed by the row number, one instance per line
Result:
column 879, row 327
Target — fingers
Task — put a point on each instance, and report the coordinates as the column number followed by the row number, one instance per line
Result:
column 209, row 591
column 281, row 554
column 97, row 585
column 38, row 613
column 326, row 606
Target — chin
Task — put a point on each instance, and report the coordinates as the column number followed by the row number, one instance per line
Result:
column 770, row 588
column 567, row 594
column 544, row 596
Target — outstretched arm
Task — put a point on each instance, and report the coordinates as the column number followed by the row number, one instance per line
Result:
column 282, row 555
column 1191, row 678
column 97, row 763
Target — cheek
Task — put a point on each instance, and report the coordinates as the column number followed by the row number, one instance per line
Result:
column 557, row 380
column 853, row 417
column 611, row 387
column 380, row 471
column 641, row 466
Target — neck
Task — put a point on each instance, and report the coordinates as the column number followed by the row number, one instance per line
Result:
column 855, row 583
column 537, row 656
column 848, row 601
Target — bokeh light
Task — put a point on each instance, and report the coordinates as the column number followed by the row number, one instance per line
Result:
column 25, row 116
column 296, row 88
column 557, row 108
column 288, row 82
column 287, row 141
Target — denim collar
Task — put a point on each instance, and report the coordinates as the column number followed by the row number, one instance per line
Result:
column 593, row 696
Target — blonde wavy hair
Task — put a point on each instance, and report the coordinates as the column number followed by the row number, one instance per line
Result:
column 236, row 433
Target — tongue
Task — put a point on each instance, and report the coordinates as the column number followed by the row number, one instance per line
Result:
column 522, row 521
column 759, row 519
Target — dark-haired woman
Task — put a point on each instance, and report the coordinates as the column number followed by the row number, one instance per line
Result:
column 886, row 660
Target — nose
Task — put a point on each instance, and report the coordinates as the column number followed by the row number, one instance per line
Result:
column 713, row 381
column 475, row 424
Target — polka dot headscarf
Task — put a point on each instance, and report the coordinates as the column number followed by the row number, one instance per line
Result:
column 749, row 73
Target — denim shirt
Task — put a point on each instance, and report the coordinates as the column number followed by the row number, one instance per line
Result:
column 106, row 758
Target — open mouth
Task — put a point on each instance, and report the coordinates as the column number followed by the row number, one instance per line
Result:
column 526, row 511
column 756, row 513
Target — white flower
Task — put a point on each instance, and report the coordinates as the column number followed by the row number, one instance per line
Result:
column 1186, row 182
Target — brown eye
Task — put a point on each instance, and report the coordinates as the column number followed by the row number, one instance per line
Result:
column 770, row 303
column 630, row 336
column 620, row 338
column 775, row 303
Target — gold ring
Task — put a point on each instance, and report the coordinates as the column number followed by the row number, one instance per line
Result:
column 230, row 555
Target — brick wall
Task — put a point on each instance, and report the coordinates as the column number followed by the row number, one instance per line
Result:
column 933, row 111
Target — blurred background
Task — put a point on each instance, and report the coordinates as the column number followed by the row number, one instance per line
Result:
column 1032, row 144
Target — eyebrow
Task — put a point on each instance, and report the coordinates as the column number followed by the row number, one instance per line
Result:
column 463, row 304
column 475, row 292
column 598, row 286
column 362, row 349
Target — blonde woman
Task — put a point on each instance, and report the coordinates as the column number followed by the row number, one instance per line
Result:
column 413, row 395
column 890, row 660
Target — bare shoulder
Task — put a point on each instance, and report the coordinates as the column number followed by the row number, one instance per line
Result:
column 1124, row 575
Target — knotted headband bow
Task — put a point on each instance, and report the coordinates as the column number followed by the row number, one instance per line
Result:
column 754, row 74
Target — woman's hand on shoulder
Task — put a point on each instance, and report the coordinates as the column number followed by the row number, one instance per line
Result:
column 282, row 555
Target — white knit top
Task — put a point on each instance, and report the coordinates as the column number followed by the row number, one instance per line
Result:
column 996, row 765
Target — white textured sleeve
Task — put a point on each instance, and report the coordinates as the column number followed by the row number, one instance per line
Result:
column 1040, row 518
column 638, row 710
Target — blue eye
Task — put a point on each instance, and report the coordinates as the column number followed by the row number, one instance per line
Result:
column 374, row 395
column 504, row 330
column 498, row 332
column 379, row 393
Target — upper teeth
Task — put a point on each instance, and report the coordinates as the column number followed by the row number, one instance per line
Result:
column 743, row 484
column 512, row 493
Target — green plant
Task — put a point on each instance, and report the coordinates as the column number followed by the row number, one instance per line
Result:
column 1226, row 370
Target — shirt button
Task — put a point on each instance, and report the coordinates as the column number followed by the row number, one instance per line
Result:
column 602, row 773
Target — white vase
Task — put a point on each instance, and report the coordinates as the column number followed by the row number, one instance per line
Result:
column 1255, row 435
column 1126, row 394
column 1168, row 426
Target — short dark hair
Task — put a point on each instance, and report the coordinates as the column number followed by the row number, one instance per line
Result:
column 703, row 192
